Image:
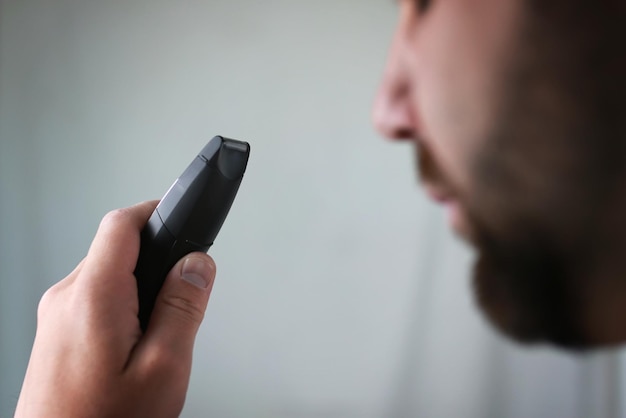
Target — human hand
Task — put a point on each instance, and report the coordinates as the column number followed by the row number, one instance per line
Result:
column 89, row 358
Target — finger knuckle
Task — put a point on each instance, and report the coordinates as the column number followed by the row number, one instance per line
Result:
column 114, row 217
column 47, row 302
column 184, row 309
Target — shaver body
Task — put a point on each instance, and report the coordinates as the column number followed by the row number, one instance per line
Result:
column 189, row 216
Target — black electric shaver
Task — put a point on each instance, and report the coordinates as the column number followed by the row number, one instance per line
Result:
column 189, row 216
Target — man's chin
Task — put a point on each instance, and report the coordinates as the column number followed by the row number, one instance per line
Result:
column 526, row 299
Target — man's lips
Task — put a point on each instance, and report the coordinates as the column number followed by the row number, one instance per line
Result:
column 439, row 195
column 452, row 207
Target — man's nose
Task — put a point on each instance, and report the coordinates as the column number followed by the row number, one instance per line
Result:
column 392, row 111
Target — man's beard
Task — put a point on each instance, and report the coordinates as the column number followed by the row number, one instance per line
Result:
column 522, row 279
column 542, row 188
column 529, row 289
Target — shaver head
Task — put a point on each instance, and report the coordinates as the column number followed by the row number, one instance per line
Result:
column 228, row 155
column 196, row 206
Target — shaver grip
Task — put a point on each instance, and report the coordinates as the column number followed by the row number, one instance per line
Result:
column 159, row 252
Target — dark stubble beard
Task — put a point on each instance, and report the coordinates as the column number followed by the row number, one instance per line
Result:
column 544, row 183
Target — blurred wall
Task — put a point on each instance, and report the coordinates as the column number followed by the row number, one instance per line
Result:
column 340, row 291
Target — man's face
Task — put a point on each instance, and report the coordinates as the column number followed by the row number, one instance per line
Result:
column 441, row 84
column 503, row 109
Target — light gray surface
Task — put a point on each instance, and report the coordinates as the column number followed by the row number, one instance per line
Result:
column 340, row 292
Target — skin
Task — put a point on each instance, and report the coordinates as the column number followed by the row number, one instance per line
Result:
column 89, row 358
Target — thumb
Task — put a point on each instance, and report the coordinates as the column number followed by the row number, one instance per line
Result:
column 181, row 303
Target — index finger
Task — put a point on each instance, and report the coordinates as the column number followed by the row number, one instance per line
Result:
column 115, row 247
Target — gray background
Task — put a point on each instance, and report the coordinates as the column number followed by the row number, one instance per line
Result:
column 340, row 291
